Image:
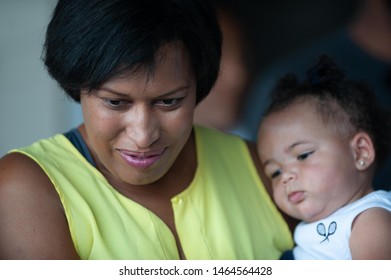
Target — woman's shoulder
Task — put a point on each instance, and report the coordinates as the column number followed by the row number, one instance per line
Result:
column 31, row 215
column 17, row 169
column 23, row 181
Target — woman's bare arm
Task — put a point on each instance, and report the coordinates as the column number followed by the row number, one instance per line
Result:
column 32, row 220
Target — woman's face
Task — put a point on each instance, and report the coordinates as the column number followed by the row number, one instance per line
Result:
column 137, row 124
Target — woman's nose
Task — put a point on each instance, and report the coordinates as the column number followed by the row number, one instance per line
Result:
column 142, row 126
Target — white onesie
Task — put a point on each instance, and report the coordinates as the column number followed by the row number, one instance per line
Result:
column 329, row 238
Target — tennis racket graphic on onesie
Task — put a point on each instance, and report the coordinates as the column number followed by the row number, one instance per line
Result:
column 321, row 229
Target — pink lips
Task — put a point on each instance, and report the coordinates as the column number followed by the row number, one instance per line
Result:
column 141, row 159
column 296, row 197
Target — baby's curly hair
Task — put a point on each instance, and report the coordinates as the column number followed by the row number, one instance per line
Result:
column 350, row 105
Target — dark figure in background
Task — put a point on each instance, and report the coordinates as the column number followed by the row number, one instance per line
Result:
column 362, row 48
column 221, row 109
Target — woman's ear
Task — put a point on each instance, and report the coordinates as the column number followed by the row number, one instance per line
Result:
column 363, row 149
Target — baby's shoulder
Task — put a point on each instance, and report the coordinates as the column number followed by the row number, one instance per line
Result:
column 370, row 237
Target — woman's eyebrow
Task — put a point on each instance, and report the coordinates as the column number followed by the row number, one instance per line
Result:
column 181, row 88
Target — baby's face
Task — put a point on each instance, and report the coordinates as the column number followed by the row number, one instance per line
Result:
column 312, row 169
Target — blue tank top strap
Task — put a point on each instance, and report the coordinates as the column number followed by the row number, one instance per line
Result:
column 287, row 255
column 77, row 140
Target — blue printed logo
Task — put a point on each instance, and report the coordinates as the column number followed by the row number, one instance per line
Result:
column 321, row 229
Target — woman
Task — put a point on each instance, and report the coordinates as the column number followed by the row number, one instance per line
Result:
column 136, row 180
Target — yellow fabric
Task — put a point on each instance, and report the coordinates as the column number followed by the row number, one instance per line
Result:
column 224, row 214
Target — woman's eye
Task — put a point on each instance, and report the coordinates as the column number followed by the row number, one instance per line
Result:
column 168, row 102
column 305, row 155
column 116, row 103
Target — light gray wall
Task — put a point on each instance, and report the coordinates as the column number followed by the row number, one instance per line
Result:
column 31, row 105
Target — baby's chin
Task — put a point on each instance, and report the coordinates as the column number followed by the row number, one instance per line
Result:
column 306, row 215
column 310, row 218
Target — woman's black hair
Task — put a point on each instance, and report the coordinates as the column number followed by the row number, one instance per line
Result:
column 349, row 104
column 90, row 41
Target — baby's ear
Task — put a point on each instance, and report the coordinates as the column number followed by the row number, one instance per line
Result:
column 363, row 149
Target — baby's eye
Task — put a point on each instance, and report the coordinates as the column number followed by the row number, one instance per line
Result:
column 305, row 155
column 275, row 174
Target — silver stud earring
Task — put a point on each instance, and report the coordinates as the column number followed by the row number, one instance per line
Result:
column 361, row 162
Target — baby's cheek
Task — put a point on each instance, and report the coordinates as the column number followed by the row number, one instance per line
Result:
column 278, row 197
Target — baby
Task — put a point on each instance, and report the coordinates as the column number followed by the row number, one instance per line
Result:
column 321, row 142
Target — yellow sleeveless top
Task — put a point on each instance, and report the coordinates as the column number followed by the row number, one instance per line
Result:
column 225, row 213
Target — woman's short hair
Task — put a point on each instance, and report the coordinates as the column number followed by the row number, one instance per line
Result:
column 90, row 41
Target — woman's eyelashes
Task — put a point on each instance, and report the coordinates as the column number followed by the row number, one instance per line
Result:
column 116, row 103
column 169, row 102
column 122, row 103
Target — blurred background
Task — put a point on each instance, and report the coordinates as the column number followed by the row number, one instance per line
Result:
column 33, row 107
